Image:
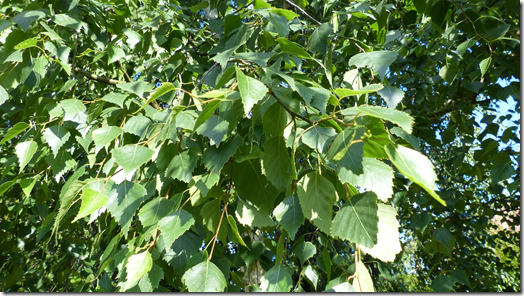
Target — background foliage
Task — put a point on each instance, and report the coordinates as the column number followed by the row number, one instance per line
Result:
column 244, row 146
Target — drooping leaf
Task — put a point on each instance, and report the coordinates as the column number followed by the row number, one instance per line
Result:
column 155, row 210
column 251, row 90
column 151, row 280
column 124, row 201
column 137, row 125
column 276, row 118
column 276, row 161
column 234, row 229
column 249, row 214
column 137, row 266
column 289, row 214
column 378, row 60
column 417, row 167
column 103, row 136
column 182, row 165
column 91, row 201
column 25, row 151
column 61, row 164
column 357, row 220
column 346, row 152
column 277, row 279
column 459, row 276
column 174, row 225
column 304, row 251
column 131, row 157
column 316, row 195
column 400, row 118
column 206, row 113
column 319, row 138
column 377, row 177
column 115, row 98
column 318, row 40
column 388, row 241
column 442, row 235
column 252, row 185
column 215, row 129
column 215, row 158
column 442, row 283
column 392, row 95
column 292, row 48
column 14, row 131
column 204, row 277
column 363, row 281
column 137, row 87
column 420, row 221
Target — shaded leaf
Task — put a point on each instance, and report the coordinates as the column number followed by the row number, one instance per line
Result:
column 137, row 266
column 378, row 60
column 204, row 277
column 316, row 195
column 174, row 225
column 388, row 241
column 277, row 279
column 289, row 214
column 251, row 90
column 131, row 157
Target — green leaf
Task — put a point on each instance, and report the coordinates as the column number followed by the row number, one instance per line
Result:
column 319, row 138
column 442, row 284
column 317, row 195
column 400, row 118
column 137, row 125
column 204, row 182
column 132, row 37
column 459, row 276
column 137, row 266
column 4, row 187
column 502, row 172
column 137, row 87
column 91, row 201
column 174, row 225
column 151, row 280
column 155, row 210
column 215, row 129
column 251, row 90
column 67, row 196
column 251, row 215
column 14, row 131
column 115, row 98
column 26, row 43
column 412, row 140
column 449, row 72
column 131, row 157
column 288, row 14
column 28, row 184
column 26, row 18
column 123, row 202
column 346, row 92
column 72, row 106
column 103, row 136
column 392, row 95
column 388, row 241
column 275, row 120
column 416, row 166
column 275, row 162
column 311, row 275
column 259, row 58
column 277, row 279
column 378, row 60
column 204, row 277
column 287, row 46
column 420, row 221
column 182, row 165
column 160, row 91
column 344, row 288
column 215, row 158
column 208, row 111
column 69, row 21
column 345, row 152
column 56, row 136
column 318, row 40
column 237, row 238
column 61, row 164
column 363, row 281
column 304, row 251
column 25, row 151
column 442, row 235
column 357, row 220
column 377, row 177
column 289, row 214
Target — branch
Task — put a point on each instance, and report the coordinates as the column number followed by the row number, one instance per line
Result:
column 303, row 11
column 287, row 109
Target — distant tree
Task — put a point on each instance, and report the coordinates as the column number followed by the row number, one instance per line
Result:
column 288, row 145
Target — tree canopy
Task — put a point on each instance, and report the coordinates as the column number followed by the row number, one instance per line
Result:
column 290, row 145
